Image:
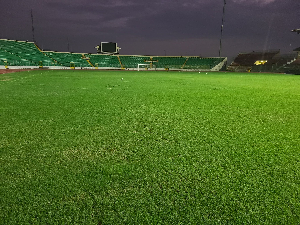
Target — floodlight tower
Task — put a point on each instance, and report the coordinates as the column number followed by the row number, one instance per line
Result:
column 32, row 27
column 222, row 26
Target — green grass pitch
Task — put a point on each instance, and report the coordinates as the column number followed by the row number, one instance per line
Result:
column 86, row 147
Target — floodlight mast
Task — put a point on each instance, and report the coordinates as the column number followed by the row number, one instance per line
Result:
column 32, row 27
column 222, row 26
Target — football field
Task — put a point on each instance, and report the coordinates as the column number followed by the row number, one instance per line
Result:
column 129, row 147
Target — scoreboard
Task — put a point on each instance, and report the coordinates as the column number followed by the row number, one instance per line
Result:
column 108, row 48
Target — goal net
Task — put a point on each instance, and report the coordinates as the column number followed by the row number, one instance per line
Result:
column 148, row 66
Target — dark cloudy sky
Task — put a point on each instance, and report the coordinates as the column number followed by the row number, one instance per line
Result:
column 154, row 27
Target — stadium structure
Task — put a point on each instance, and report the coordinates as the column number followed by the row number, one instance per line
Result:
column 27, row 55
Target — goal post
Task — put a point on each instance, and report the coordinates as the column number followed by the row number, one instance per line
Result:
column 148, row 66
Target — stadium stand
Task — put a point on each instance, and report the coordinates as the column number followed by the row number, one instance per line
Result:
column 271, row 61
column 245, row 62
column 294, row 66
column 175, row 62
column 68, row 59
column 172, row 62
column 278, row 63
column 7, row 58
column 22, row 53
column 27, row 54
column 133, row 61
column 202, row 63
column 104, row 61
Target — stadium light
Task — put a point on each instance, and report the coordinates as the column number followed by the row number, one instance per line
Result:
column 296, row 30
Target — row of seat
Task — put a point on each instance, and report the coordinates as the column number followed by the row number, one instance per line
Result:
column 22, row 52
column 68, row 59
column 133, row 61
column 175, row 62
column 202, row 63
column 102, row 61
column 6, row 56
